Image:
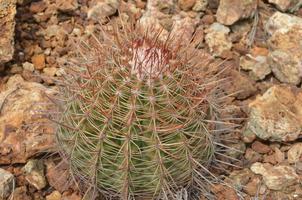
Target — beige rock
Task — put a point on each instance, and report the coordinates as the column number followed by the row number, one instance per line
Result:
column 286, row 54
column 294, row 154
column 276, row 177
column 7, row 29
column 34, row 173
column 240, row 178
column 230, row 11
column 101, row 10
column 281, row 21
column 217, row 39
column 50, row 71
column 28, row 66
column 200, row 5
column 24, row 128
column 258, row 66
column 285, row 5
column 55, row 195
column 277, row 114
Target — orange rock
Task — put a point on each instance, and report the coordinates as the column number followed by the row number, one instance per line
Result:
column 259, row 51
column 186, row 4
column 39, row 61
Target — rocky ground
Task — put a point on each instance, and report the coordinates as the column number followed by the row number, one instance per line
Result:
column 261, row 41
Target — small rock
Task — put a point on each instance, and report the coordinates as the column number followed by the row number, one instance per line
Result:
column 236, row 149
column 275, row 158
column 276, row 115
column 242, row 85
column 224, row 192
column 260, row 147
column 240, row 178
column 200, row 5
column 281, row 21
column 24, row 128
column 258, row 67
column 294, row 154
column 58, row 175
column 55, row 195
column 230, row 11
column 15, row 69
column 101, row 10
column 208, row 19
column 276, row 177
column 217, row 39
column 285, row 5
column 7, row 29
column 252, row 156
column 67, row 5
column 34, row 173
column 186, row 4
column 286, row 54
column 50, row 71
column 37, row 7
column 7, row 183
column 20, row 193
column 72, row 196
column 28, row 66
column 252, row 187
column 39, row 61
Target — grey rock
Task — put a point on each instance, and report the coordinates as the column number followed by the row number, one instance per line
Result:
column 7, row 183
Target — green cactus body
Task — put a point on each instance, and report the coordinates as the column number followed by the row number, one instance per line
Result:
column 135, row 116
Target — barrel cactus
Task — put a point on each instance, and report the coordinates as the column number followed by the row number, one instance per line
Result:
column 138, row 114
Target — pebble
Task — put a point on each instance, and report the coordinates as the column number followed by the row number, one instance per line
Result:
column 285, row 5
column 276, row 115
column 55, row 195
column 258, row 66
column 34, row 173
column 186, row 4
column 7, row 183
column 67, row 5
column 230, row 11
column 200, row 5
column 260, row 147
column 217, row 39
column 28, row 66
column 276, row 177
column 294, row 154
column 101, row 10
column 39, row 61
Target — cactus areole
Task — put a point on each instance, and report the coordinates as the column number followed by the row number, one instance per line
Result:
column 136, row 114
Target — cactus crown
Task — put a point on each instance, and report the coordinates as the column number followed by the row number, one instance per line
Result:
column 137, row 111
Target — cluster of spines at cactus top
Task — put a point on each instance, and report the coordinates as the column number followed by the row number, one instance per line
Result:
column 137, row 112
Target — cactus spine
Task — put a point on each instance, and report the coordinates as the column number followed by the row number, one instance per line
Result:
column 136, row 116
